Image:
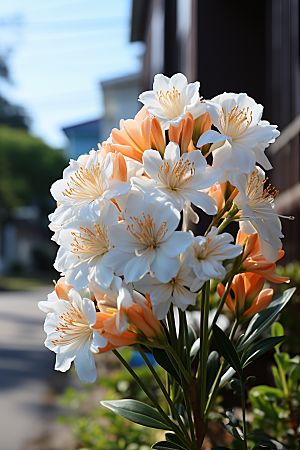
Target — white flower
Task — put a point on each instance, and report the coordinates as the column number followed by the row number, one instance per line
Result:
column 175, row 291
column 258, row 214
column 206, row 254
column 237, row 117
column 84, row 245
column 147, row 241
column 71, row 336
column 84, row 187
column 171, row 98
column 178, row 178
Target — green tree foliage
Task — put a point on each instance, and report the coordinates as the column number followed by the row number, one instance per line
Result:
column 28, row 167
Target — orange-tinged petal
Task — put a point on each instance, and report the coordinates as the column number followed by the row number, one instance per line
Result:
column 238, row 287
column 137, row 319
column 146, row 132
column 253, row 284
column 119, row 167
column 175, row 133
column 131, row 152
column 262, row 302
column 157, row 135
column 187, row 132
column 62, row 289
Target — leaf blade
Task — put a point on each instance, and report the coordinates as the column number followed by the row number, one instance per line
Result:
column 137, row 412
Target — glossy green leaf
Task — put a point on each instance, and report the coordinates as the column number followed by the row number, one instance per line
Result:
column 195, row 349
column 137, row 412
column 162, row 358
column 265, row 445
column 236, row 386
column 213, row 366
column 231, row 430
column 227, row 349
column 172, row 437
column 267, row 439
column 166, row 445
column 258, row 349
column 262, row 320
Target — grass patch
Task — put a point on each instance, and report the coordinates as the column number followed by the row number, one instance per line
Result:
column 25, row 283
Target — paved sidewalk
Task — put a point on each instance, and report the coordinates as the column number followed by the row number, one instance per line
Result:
column 26, row 368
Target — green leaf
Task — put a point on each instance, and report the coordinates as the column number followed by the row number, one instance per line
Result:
column 265, row 445
column 137, row 412
column 213, row 366
column 277, row 329
column 236, row 386
column 294, row 376
column 276, row 377
column 262, row 320
column 227, row 349
column 231, row 430
column 192, row 335
column 258, row 349
column 195, row 349
column 270, row 392
column 162, row 358
column 220, row 448
column 171, row 437
column 284, row 360
column 267, row 439
column 166, row 445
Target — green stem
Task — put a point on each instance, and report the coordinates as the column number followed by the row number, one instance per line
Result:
column 204, row 347
column 183, row 370
column 189, row 411
column 230, row 217
column 282, row 377
column 216, row 219
column 220, row 307
column 164, row 391
column 244, row 412
column 215, row 386
column 183, row 322
column 151, row 397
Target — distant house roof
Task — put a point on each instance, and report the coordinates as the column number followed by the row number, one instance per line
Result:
column 91, row 127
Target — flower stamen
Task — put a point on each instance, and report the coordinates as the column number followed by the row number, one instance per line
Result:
column 236, row 122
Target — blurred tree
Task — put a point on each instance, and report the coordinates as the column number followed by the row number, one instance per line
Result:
column 28, row 167
column 10, row 114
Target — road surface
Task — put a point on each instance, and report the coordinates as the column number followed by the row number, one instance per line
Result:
column 26, row 370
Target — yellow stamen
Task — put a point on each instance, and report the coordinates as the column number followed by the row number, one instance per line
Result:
column 236, row 122
column 73, row 326
column 170, row 100
column 178, row 176
column 89, row 242
column 85, row 184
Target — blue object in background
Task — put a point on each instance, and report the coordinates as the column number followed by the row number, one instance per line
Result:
column 137, row 360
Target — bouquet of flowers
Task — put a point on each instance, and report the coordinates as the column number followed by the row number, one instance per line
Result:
column 131, row 267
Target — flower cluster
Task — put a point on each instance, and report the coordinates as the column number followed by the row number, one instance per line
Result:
column 126, row 253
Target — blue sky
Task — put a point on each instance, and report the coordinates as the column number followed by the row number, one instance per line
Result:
column 61, row 50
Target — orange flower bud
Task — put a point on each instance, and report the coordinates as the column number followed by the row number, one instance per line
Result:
column 202, row 124
column 249, row 298
column 254, row 261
